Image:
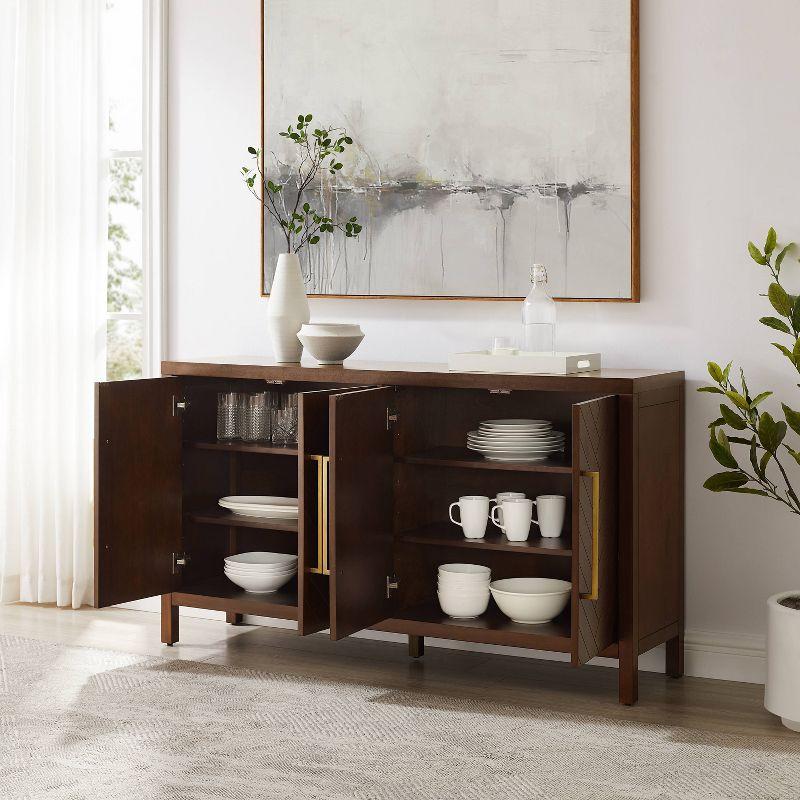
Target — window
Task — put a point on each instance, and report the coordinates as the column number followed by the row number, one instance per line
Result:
column 134, row 34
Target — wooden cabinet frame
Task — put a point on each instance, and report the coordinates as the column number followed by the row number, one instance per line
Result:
column 379, row 457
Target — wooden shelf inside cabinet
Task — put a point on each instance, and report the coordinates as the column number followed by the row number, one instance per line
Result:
column 243, row 447
column 219, row 594
column 492, row 627
column 445, row 535
column 467, row 459
column 219, row 516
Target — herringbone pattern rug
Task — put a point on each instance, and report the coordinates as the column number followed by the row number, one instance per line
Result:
column 79, row 723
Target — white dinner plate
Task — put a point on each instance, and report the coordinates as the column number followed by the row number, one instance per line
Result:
column 260, row 500
column 516, row 423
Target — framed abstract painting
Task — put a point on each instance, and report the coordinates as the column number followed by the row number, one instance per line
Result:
column 487, row 135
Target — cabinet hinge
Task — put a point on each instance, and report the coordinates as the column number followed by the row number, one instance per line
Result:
column 391, row 417
column 179, row 560
column 179, row 406
column 392, row 584
column 499, row 391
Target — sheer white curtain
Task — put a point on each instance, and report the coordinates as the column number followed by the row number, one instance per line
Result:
column 52, row 254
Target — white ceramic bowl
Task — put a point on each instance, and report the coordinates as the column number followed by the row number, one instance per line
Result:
column 531, row 601
column 250, row 571
column 463, row 592
column 463, row 607
column 331, row 329
column 464, row 571
column 260, row 584
column 330, row 349
column 261, row 559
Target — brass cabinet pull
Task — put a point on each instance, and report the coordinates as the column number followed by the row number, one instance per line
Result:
column 594, row 594
column 322, row 515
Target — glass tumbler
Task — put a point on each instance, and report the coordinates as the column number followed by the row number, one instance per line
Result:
column 256, row 422
column 284, row 421
column 228, row 416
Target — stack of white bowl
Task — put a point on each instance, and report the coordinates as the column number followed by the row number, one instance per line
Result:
column 261, row 573
column 463, row 590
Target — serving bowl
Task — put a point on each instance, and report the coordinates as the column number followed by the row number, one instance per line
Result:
column 259, row 559
column 468, row 572
column 330, row 343
column 260, row 584
column 531, row 601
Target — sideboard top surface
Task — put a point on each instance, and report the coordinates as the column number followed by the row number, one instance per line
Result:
column 618, row 381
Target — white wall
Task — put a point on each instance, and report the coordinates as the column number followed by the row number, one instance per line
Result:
column 720, row 121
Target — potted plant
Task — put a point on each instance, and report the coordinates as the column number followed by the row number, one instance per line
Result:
column 285, row 197
column 752, row 446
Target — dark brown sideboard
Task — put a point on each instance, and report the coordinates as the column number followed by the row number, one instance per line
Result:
column 392, row 440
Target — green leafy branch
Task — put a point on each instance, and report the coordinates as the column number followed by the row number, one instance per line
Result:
column 756, row 430
column 318, row 150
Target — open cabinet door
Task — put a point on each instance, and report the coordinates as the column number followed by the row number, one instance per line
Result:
column 361, row 509
column 594, row 523
column 313, row 599
column 137, row 489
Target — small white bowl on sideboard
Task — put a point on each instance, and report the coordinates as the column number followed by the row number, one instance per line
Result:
column 330, row 342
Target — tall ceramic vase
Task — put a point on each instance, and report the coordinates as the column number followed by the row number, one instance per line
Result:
column 287, row 310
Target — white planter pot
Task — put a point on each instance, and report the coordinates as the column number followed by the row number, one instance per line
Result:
column 782, row 695
column 287, row 310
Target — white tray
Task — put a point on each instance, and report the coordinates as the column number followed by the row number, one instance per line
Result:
column 524, row 363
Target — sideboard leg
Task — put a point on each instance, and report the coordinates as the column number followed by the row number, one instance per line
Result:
column 675, row 656
column 233, row 618
column 170, row 625
column 416, row 646
column 628, row 673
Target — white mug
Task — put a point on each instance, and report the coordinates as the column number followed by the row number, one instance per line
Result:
column 517, row 515
column 498, row 500
column 550, row 509
column 474, row 515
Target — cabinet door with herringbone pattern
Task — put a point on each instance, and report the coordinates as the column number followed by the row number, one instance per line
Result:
column 594, row 525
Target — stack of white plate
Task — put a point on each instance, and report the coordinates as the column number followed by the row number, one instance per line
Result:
column 261, row 573
column 261, row 506
column 463, row 590
column 515, row 439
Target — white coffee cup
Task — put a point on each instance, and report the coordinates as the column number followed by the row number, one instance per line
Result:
column 474, row 512
column 498, row 500
column 517, row 515
column 550, row 510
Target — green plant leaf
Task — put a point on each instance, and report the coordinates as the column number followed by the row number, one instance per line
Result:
column 252, row 151
column 715, row 371
column 759, row 398
column 754, row 454
column 785, row 350
column 732, row 418
column 738, row 440
column 737, row 399
column 782, row 255
column 314, row 239
column 721, row 453
column 710, row 390
column 747, row 490
column 772, row 241
column 762, row 467
column 755, row 254
column 725, row 481
column 777, row 324
column 794, row 454
column 781, row 301
column 770, row 433
column 792, row 417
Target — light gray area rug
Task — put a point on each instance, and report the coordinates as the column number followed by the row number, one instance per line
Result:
column 83, row 723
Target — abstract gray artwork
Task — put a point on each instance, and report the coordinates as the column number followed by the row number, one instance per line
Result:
column 488, row 135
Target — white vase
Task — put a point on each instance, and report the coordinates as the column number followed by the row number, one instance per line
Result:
column 782, row 694
column 287, row 310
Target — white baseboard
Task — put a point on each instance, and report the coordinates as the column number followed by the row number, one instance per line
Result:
column 708, row 654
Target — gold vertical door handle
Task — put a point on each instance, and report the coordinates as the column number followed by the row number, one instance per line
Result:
column 323, row 512
column 594, row 594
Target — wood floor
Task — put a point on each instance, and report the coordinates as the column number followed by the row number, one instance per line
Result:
column 695, row 703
